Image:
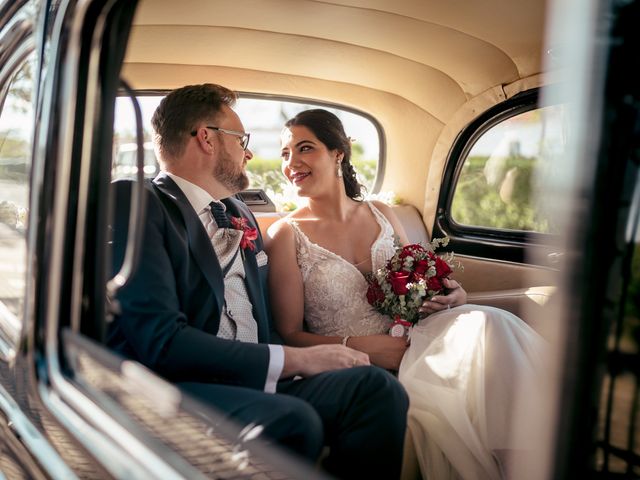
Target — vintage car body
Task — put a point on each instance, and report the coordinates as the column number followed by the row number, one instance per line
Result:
column 434, row 75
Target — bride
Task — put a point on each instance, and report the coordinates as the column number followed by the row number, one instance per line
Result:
column 463, row 360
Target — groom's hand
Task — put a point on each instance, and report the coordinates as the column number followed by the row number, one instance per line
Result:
column 308, row 361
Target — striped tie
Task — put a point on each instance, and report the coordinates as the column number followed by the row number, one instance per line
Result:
column 218, row 212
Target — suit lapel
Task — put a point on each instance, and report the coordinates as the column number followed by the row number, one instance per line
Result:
column 199, row 241
column 252, row 280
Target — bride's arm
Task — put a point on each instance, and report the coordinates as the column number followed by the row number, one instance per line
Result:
column 287, row 305
column 286, row 289
column 286, row 292
column 384, row 350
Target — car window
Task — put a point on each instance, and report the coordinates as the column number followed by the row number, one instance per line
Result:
column 501, row 173
column 16, row 129
column 263, row 118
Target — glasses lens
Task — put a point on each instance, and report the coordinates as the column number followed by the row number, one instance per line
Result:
column 245, row 141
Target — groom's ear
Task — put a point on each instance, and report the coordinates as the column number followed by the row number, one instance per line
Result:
column 205, row 140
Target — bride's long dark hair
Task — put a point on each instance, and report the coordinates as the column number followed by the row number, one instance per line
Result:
column 329, row 130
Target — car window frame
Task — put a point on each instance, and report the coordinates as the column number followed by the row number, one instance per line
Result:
column 504, row 244
column 10, row 331
column 382, row 149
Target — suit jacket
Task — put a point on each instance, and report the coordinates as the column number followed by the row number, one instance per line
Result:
column 170, row 309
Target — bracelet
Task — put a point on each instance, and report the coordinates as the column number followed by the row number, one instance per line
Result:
column 345, row 340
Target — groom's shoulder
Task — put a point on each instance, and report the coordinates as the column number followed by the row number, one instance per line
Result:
column 125, row 194
column 124, row 188
column 239, row 204
column 241, row 208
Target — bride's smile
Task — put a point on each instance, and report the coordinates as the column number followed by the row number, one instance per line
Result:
column 297, row 177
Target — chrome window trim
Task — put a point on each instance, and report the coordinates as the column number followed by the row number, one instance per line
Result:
column 105, row 439
column 9, row 334
column 14, row 32
column 8, row 11
column 31, row 437
column 13, row 60
column 108, row 441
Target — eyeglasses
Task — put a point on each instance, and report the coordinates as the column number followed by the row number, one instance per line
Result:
column 243, row 137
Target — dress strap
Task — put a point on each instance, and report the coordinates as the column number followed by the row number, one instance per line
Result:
column 303, row 243
column 385, row 225
column 384, row 246
column 300, row 236
column 304, row 250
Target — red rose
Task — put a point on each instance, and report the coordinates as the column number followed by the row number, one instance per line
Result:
column 442, row 268
column 375, row 294
column 434, row 283
column 399, row 282
column 421, row 266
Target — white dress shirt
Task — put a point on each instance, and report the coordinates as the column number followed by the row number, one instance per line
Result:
column 236, row 322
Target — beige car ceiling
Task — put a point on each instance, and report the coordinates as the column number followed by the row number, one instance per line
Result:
column 424, row 69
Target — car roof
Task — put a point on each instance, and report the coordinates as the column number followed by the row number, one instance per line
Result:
column 435, row 54
column 424, row 69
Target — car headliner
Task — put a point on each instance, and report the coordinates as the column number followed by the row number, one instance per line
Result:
column 422, row 68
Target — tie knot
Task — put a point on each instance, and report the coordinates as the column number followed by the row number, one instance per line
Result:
column 219, row 215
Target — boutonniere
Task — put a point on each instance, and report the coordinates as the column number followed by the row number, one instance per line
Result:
column 249, row 234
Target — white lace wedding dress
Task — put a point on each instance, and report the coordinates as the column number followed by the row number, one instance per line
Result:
column 460, row 369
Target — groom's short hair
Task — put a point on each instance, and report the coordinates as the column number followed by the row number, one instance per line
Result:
column 181, row 110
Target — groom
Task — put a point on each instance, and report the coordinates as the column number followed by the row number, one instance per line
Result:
column 196, row 310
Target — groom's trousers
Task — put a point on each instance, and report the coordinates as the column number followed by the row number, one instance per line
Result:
column 360, row 413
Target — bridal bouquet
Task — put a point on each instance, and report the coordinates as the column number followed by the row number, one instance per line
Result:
column 412, row 274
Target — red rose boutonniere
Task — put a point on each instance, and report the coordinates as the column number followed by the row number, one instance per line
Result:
column 249, row 234
column 413, row 273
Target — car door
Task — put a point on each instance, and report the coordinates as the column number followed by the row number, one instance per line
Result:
column 25, row 450
column 71, row 408
column 501, row 231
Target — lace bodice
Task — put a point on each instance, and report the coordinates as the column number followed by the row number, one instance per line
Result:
column 335, row 291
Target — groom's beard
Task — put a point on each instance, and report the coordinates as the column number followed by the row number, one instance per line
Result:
column 231, row 173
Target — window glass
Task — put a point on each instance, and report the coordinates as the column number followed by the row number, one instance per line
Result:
column 618, row 427
column 498, row 182
column 16, row 129
column 263, row 118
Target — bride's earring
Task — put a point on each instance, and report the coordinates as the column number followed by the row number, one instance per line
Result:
column 339, row 169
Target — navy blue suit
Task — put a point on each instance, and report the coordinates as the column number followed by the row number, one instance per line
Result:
column 178, row 293
column 170, row 316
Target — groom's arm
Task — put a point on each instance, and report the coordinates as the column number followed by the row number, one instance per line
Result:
column 153, row 327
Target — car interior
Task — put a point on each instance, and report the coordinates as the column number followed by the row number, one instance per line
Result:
column 487, row 123
column 433, row 81
column 420, row 69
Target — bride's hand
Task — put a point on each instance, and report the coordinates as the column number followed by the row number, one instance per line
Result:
column 384, row 350
column 456, row 296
